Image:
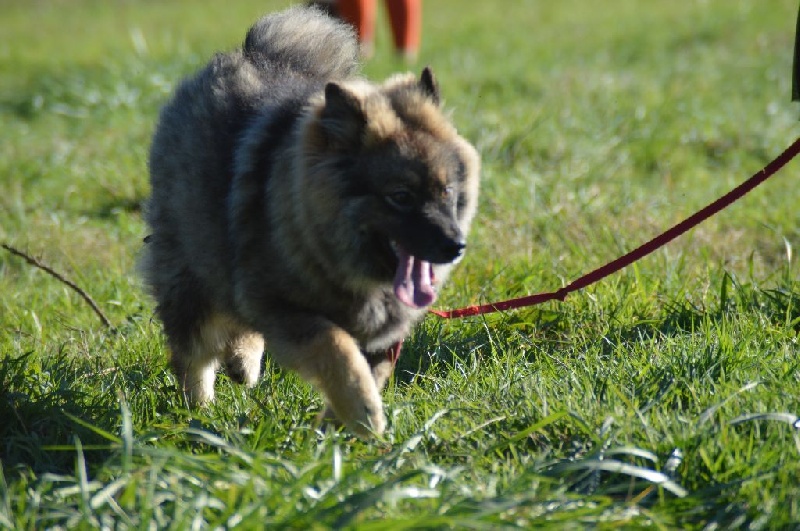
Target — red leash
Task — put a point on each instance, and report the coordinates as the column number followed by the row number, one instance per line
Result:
column 638, row 253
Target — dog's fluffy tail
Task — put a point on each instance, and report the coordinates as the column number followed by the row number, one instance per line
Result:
column 306, row 40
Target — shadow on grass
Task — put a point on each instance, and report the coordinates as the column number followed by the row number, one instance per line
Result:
column 39, row 403
column 47, row 401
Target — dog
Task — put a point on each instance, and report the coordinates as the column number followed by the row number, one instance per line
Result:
column 296, row 203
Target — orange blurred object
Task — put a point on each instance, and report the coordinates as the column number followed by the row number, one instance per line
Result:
column 405, row 17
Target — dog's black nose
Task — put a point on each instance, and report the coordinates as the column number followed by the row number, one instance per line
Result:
column 454, row 249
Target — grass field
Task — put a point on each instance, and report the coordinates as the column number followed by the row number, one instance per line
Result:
column 667, row 395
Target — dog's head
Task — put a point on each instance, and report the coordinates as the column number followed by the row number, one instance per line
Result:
column 398, row 183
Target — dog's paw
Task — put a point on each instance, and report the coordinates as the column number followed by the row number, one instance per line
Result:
column 195, row 377
column 376, row 420
column 198, row 384
column 243, row 359
column 361, row 414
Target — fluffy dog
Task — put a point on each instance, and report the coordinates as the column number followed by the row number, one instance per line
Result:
column 296, row 203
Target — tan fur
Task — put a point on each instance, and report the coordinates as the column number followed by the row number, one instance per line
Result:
column 243, row 357
column 242, row 351
column 333, row 362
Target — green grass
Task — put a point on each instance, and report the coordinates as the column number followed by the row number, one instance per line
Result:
column 598, row 127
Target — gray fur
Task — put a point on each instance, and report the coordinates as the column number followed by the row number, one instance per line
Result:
column 272, row 173
column 316, row 47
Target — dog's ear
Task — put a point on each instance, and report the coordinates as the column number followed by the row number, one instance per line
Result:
column 342, row 117
column 429, row 85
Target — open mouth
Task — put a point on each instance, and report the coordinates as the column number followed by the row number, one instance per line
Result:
column 414, row 279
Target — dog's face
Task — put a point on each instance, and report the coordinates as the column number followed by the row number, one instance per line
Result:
column 403, row 181
column 406, row 204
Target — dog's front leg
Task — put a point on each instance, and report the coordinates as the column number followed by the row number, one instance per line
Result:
column 381, row 367
column 329, row 358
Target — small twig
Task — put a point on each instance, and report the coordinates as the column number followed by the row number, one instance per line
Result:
column 58, row 276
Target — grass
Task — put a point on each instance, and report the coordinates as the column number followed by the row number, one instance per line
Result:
column 665, row 396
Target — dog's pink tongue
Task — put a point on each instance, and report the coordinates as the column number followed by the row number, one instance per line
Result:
column 413, row 281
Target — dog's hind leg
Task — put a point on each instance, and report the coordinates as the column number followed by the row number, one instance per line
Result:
column 243, row 357
column 196, row 370
column 196, row 337
column 217, row 338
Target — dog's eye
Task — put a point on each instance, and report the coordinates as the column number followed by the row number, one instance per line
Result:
column 401, row 200
column 451, row 196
